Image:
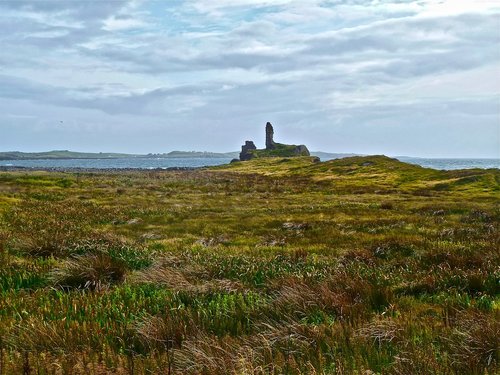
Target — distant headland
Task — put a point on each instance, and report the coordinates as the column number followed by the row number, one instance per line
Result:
column 273, row 149
column 65, row 154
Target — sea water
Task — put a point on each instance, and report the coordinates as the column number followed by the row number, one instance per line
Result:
column 163, row 163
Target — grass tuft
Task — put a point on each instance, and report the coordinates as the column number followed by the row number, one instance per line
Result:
column 90, row 271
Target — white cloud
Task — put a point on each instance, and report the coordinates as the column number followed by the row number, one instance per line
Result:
column 114, row 24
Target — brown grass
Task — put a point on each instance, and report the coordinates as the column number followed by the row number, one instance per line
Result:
column 90, row 271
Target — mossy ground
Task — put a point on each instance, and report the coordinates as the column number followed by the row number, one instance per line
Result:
column 273, row 266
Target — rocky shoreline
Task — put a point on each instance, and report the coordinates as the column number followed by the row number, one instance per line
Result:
column 90, row 170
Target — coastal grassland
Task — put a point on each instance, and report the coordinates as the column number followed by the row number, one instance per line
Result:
column 272, row 266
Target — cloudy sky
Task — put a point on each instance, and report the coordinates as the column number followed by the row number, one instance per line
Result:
column 393, row 77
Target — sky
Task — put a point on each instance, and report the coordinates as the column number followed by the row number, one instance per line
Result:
column 393, row 77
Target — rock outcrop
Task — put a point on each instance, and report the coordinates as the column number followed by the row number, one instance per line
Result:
column 302, row 150
column 273, row 149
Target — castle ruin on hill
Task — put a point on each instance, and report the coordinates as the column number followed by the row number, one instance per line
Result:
column 273, row 149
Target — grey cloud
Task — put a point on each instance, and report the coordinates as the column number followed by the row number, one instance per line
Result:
column 95, row 98
column 56, row 24
column 345, row 80
column 409, row 41
column 79, row 9
column 16, row 88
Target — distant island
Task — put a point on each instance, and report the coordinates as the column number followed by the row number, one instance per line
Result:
column 60, row 154
column 200, row 154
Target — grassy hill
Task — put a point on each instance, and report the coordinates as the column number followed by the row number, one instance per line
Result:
column 369, row 174
column 363, row 265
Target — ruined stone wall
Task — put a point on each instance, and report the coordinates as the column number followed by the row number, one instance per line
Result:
column 245, row 153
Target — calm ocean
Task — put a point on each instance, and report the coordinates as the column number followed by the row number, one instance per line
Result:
column 152, row 163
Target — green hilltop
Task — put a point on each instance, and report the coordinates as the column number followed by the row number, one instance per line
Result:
column 280, row 150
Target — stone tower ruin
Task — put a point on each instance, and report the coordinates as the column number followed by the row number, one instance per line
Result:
column 269, row 137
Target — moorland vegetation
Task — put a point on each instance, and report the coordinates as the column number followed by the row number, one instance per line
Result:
column 363, row 265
